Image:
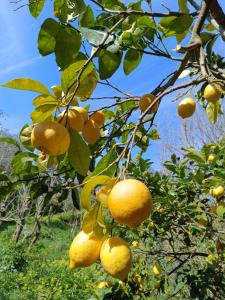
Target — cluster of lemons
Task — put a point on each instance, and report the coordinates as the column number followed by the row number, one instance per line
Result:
column 187, row 106
column 53, row 138
column 130, row 203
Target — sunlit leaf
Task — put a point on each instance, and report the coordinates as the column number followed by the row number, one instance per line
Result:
column 89, row 186
column 28, row 85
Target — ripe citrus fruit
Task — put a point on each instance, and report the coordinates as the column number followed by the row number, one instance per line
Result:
column 116, row 257
column 84, row 250
column 135, row 244
column 156, row 269
column 211, row 93
column 71, row 119
column 218, row 191
column 145, row 101
column 104, row 284
column 186, row 108
column 82, row 111
column 98, row 117
column 130, row 202
column 91, row 132
column 211, row 158
column 157, row 284
column 51, row 138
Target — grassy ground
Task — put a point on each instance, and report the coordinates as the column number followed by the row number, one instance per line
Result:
column 42, row 272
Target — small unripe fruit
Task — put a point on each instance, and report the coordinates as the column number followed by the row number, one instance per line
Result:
column 157, row 284
column 145, row 102
column 91, row 132
column 104, row 284
column 212, row 93
column 186, row 108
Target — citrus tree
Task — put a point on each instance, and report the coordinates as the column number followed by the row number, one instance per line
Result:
column 69, row 147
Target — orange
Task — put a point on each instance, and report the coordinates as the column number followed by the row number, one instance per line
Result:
column 130, row 202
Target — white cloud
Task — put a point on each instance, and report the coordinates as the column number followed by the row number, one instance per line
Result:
column 18, row 66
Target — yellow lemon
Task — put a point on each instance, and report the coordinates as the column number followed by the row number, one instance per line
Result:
column 212, row 93
column 51, row 138
column 116, row 258
column 145, row 101
column 134, row 244
column 91, row 132
column 98, row 117
column 71, row 119
column 219, row 191
column 211, row 158
column 186, row 108
column 156, row 269
column 104, row 284
column 130, row 202
column 84, row 250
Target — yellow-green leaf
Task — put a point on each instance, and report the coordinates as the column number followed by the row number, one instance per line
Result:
column 45, row 99
column 43, row 113
column 212, row 111
column 89, row 187
column 27, row 84
column 92, row 218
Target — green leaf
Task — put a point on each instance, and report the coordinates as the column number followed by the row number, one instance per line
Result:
column 43, row 113
column 103, row 165
column 23, row 161
column 212, row 111
column 75, row 198
column 172, row 26
column 95, row 37
column 47, row 36
column 45, row 99
column 27, row 84
column 68, row 42
column 35, row 7
column 68, row 10
column 3, row 177
column 88, row 80
column 89, row 186
column 79, row 153
column 9, row 140
column 183, row 6
column 87, row 19
column 194, row 155
column 108, row 63
column 131, row 61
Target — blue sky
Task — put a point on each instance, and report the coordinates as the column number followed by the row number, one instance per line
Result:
column 19, row 57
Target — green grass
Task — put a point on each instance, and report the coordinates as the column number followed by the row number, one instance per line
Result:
column 41, row 271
